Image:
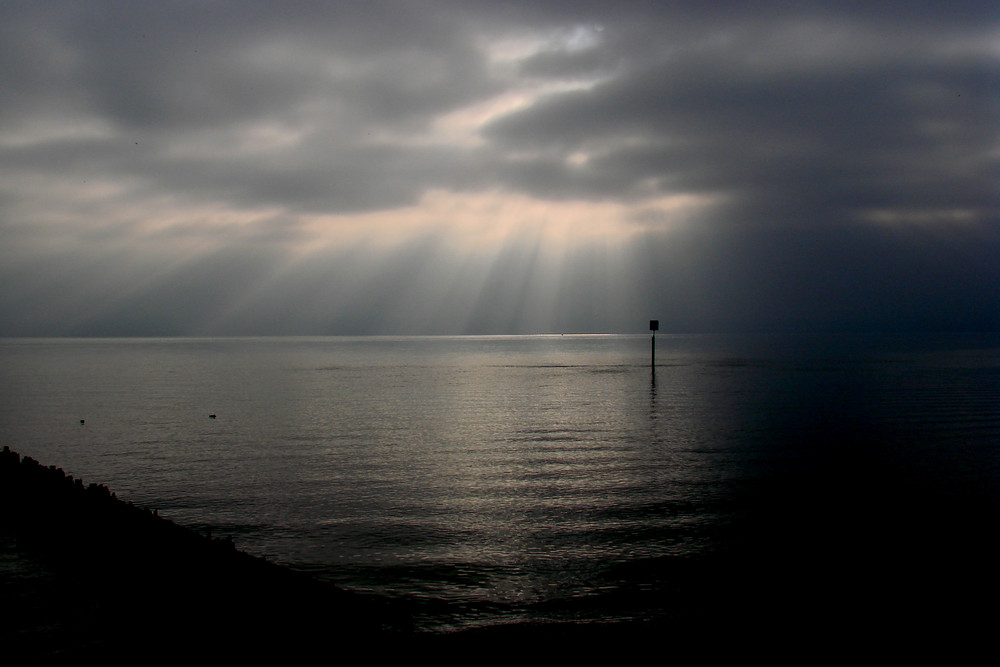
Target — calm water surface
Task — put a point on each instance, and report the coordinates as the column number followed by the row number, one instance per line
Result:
column 541, row 478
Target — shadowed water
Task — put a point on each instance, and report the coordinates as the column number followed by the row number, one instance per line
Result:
column 551, row 478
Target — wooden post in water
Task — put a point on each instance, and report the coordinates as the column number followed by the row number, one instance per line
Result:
column 654, row 326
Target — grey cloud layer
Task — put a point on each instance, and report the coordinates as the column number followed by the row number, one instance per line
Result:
column 805, row 122
column 900, row 126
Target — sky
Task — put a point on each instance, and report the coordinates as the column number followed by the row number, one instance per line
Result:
column 444, row 167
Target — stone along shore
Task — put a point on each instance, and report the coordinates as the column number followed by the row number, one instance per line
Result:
column 122, row 580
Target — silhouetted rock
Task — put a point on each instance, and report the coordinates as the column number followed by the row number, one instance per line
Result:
column 157, row 587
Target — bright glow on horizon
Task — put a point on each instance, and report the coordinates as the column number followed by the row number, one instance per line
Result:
column 510, row 254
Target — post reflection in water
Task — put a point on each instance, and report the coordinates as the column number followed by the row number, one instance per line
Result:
column 652, row 393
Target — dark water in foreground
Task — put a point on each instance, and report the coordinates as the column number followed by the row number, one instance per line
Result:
column 497, row 479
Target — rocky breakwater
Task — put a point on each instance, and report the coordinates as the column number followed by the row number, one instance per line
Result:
column 149, row 586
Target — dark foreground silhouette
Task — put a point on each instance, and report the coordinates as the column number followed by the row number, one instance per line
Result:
column 89, row 574
column 882, row 570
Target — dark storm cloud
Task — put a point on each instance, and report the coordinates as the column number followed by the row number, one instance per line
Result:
column 909, row 122
column 178, row 84
column 163, row 161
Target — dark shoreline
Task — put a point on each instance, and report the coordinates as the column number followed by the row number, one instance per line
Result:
column 85, row 574
column 96, row 576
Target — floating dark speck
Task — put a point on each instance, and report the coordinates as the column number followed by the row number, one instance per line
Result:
column 211, row 416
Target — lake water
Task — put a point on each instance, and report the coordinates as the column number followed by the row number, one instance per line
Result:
column 492, row 479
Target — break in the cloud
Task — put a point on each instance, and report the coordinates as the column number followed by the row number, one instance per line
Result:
column 449, row 167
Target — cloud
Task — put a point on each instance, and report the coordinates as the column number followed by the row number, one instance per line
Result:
column 445, row 167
